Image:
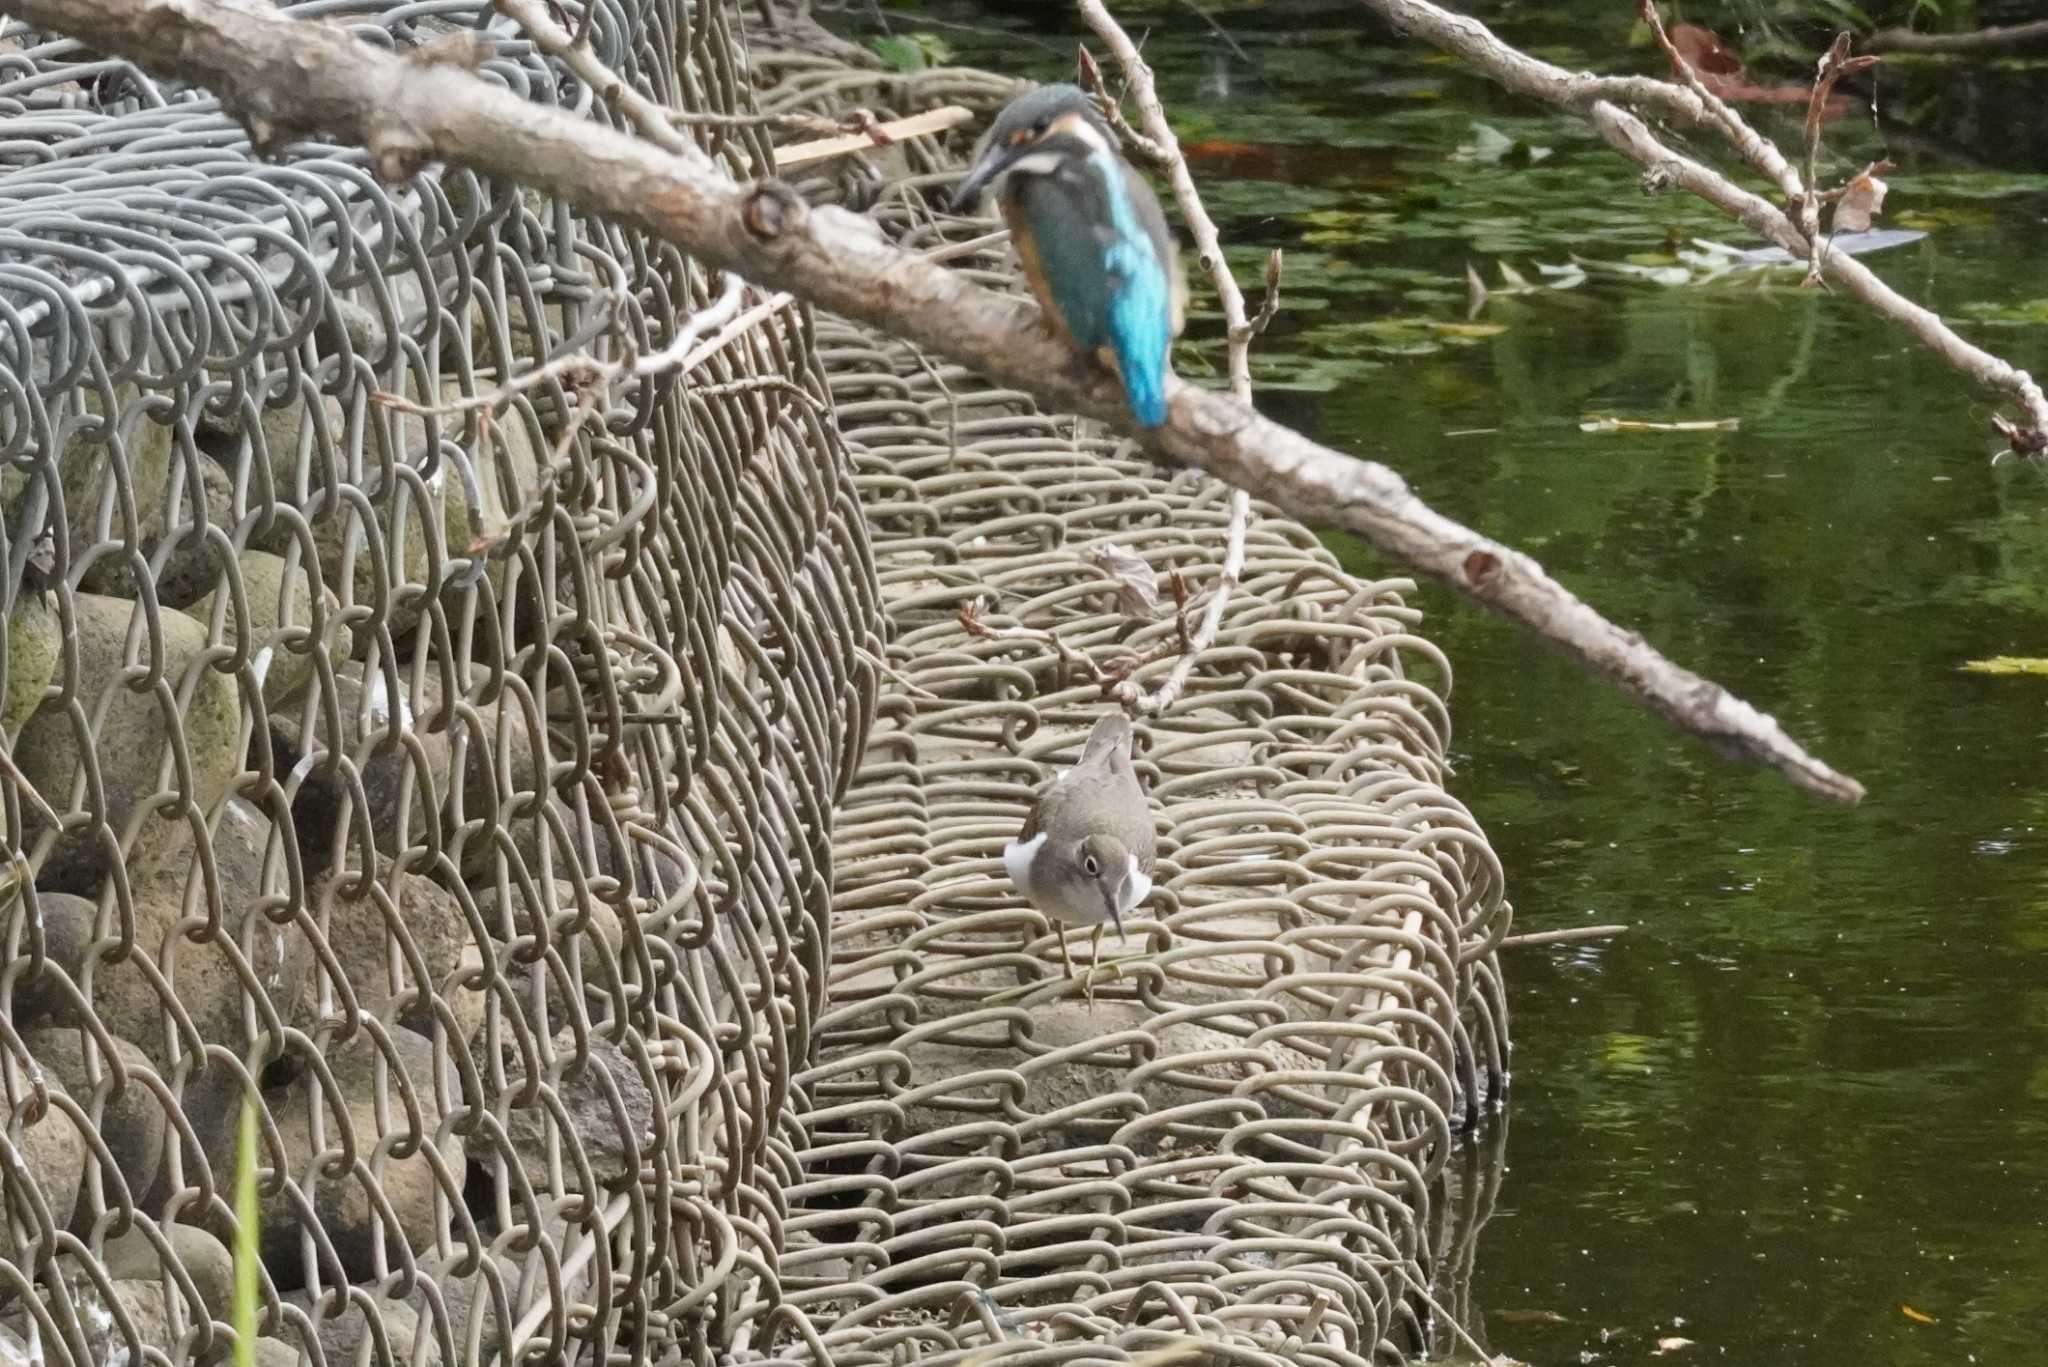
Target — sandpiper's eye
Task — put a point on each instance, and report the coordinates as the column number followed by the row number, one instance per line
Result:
column 1090, row 865
column 1038, row 129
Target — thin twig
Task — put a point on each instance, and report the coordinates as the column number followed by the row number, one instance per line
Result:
column 1835, row 63
column 1141, row 148
column 869, row 134
column 582, row 60
column 1755, row 148
column 587, row 374
column 1269, row 306
column 1559, row 937
column 1477, row 1349
column 2025, row 37
column 1159, row 133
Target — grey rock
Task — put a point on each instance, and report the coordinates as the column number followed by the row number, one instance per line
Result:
column 131, row 1125
column 35, row 640
column 53, row 1152
column 365, row 942
column 341, row 1203
column 611, row 1140
column 368, row 706
column 342, row 1330
column 171, row 490
column 131, row 740
column 133, row 1258
column 209, row 990
column 279, row 633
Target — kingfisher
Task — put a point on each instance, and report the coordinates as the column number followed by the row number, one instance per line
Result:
column 1090, row 234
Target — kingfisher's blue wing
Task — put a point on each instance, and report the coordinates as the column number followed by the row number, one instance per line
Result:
column 1099, row 247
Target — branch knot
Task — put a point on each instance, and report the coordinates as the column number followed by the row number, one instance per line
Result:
column 771, row 210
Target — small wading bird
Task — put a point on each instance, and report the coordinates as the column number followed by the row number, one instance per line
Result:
column 1084, row 856
column 1090, row 235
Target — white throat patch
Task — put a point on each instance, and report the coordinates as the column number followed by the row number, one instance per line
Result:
column 1017, row 857
column 1137, row 886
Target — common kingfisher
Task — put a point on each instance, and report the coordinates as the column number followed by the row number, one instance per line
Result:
column 1090, row 234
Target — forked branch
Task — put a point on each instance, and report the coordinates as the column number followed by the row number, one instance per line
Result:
column 1164, row 148
column 1601, row 101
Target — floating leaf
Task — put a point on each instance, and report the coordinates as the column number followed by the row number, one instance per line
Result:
column 1489, row 144
column 2006, row 664
column 1529, row 1317
column 1632, row 425
column 2025, row 313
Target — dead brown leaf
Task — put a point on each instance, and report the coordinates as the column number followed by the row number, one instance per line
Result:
column 1137, row 587
column 1862, row 201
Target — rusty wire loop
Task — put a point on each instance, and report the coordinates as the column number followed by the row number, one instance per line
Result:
column 568, row 804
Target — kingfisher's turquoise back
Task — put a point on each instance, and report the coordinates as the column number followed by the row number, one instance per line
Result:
column 1103, row 257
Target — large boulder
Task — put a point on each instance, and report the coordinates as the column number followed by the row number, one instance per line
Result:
column 193, row 950
column 279, row 634
column 35, row 641
column 130, row 742
column 340, row 1199
column 131, row 1124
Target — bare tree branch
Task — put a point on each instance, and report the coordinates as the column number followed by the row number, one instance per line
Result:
column 1599, row 100
column 1209, row 250
column 2025, row 37
column 285, row 76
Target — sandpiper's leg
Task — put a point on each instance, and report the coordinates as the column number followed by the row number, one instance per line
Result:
column 1094, row 961
column 1066, row 962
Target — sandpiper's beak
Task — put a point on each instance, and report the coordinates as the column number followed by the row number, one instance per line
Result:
column 1116, row 915
column 993, row 163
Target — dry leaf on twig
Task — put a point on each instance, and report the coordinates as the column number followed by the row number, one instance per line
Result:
column 1137, row 587
column 1862, row 201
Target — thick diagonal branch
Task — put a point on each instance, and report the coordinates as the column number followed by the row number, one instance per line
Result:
column 291, row 76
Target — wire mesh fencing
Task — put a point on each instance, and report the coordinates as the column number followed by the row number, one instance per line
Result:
column 571, row 817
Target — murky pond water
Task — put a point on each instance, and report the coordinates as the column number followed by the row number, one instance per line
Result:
column 1799, row 1113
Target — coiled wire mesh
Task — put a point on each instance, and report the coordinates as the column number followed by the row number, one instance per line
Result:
column 1238, row 1139
column 525, row 813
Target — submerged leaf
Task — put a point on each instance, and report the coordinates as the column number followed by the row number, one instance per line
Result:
column 2005, row 665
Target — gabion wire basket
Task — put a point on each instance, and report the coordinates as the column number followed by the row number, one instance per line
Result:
column 568, row 828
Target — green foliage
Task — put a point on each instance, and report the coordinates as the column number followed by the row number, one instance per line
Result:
column 248, row 1250
column 913, row 52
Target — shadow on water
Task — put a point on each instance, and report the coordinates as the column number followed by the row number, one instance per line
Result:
column 1801, row 1109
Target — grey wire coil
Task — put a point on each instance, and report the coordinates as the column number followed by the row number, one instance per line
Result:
column 576, row 828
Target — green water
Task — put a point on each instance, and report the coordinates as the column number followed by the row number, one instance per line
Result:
column 1810, row 1086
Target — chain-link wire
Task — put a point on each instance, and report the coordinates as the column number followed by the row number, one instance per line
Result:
column 518, row 803
column 1241, row 1136
column 463, row 801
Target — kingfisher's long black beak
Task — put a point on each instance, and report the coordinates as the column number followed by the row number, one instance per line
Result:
column 993, row 163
